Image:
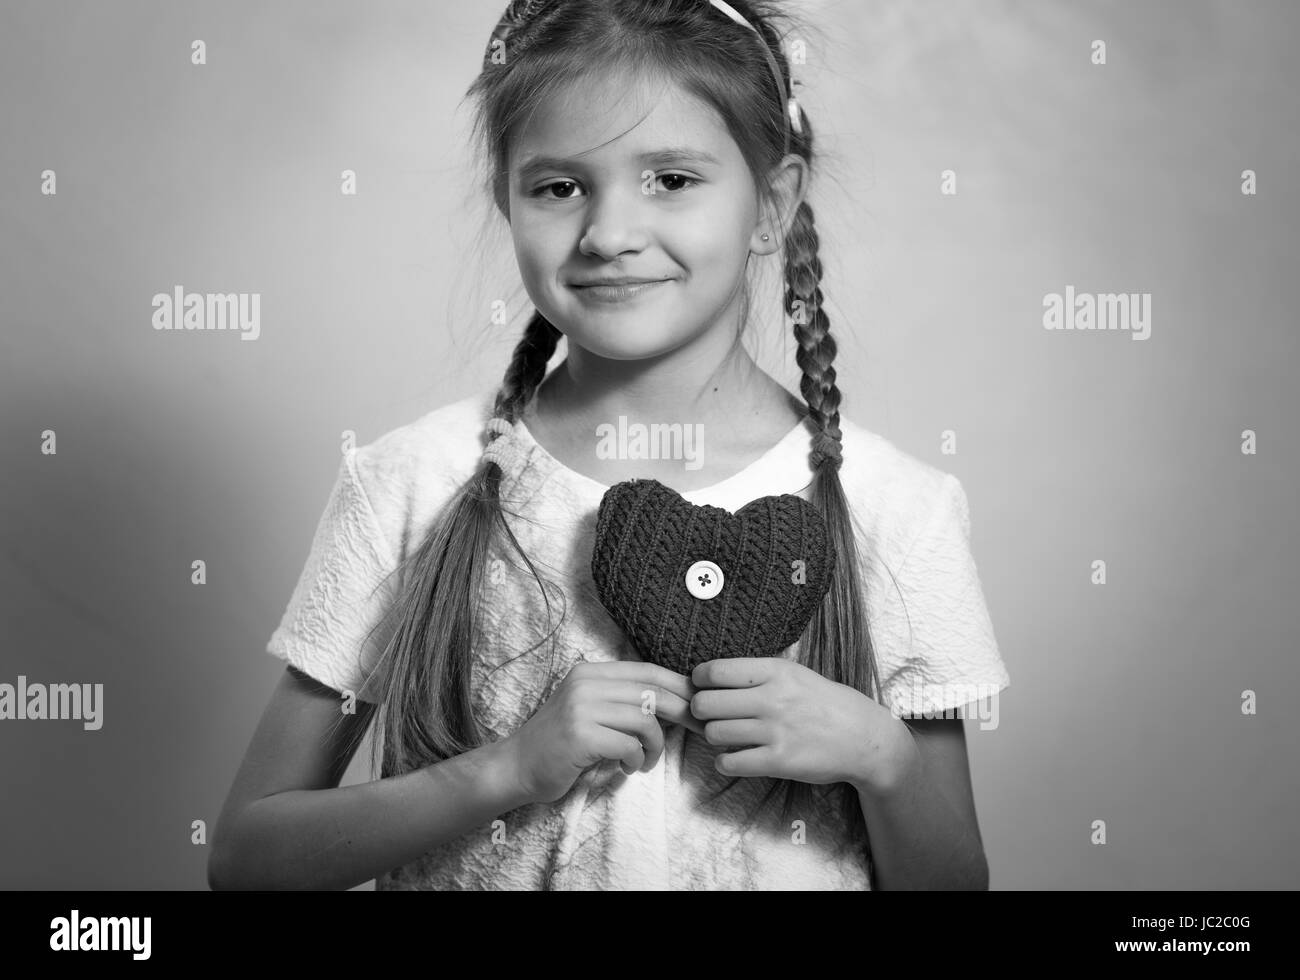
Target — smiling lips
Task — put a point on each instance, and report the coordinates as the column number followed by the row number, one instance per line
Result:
column 615, row 290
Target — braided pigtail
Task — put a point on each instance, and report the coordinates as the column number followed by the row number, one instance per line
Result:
column 426, row 708
column 835, row 628
column 838, row 642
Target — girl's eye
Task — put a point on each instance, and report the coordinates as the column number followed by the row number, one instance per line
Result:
column 559, row 183
column 688, row 181
column 569, row 196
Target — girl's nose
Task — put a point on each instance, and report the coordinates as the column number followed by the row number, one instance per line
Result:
column 616, row 223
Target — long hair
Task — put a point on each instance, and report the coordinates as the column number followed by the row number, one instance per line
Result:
column 425, row 705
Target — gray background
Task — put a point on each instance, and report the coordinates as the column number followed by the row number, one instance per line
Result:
column 1125, row 699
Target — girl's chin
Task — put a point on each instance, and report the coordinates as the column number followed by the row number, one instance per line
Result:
column 637, row 345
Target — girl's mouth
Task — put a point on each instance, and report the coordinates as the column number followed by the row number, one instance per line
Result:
column 616, row 294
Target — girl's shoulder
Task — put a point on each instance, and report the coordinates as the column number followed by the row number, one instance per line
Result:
column 881, row 466
column 426, row 459
column 895, row 494
column 448, row 436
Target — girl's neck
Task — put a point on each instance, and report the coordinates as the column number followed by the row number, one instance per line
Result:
column 743, row 411
column 737, row 396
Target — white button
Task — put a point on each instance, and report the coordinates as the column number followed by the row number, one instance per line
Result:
column 704, row 580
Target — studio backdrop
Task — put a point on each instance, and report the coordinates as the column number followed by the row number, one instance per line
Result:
column 1060, row 244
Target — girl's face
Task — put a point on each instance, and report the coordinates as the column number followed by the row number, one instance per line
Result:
column 667, row 198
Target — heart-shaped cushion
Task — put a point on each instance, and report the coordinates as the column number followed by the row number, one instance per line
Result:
column 689, row 583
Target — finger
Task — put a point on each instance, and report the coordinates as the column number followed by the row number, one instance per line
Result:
column 674, row 711
column 633, row 721
column 744, row 702
column 665, row 705
column 612, row 744
column 633, row 759
column 642, row 673
column 734, row 672
column 670, row 710
column 759, row 761
column 742, row 734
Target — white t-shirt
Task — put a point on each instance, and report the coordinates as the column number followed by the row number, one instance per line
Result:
column 931, row 632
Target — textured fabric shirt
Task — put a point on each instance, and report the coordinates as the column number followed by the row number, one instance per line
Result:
column 930, row 628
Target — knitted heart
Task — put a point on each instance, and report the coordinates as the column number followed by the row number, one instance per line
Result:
column 689, row 583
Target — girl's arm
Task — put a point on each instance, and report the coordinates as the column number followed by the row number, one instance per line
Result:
column 286, row 824
column 924, row 834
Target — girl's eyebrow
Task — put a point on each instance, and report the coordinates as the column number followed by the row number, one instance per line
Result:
column 668, row 156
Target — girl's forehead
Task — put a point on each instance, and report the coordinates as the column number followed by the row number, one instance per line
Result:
column 613, row 116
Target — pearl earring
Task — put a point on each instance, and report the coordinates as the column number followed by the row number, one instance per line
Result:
column 765, row 237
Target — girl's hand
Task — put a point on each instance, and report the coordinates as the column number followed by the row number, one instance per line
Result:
column 607, row 710
column 787, row 721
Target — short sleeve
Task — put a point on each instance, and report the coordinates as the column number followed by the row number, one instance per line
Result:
column 337, row 622
column 945, row 653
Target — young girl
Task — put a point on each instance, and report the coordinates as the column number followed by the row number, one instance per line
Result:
column 642, row 152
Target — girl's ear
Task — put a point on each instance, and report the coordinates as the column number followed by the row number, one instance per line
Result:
column 501, row 195
column 789, row 182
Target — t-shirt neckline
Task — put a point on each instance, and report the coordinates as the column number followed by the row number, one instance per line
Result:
column 599, row 489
